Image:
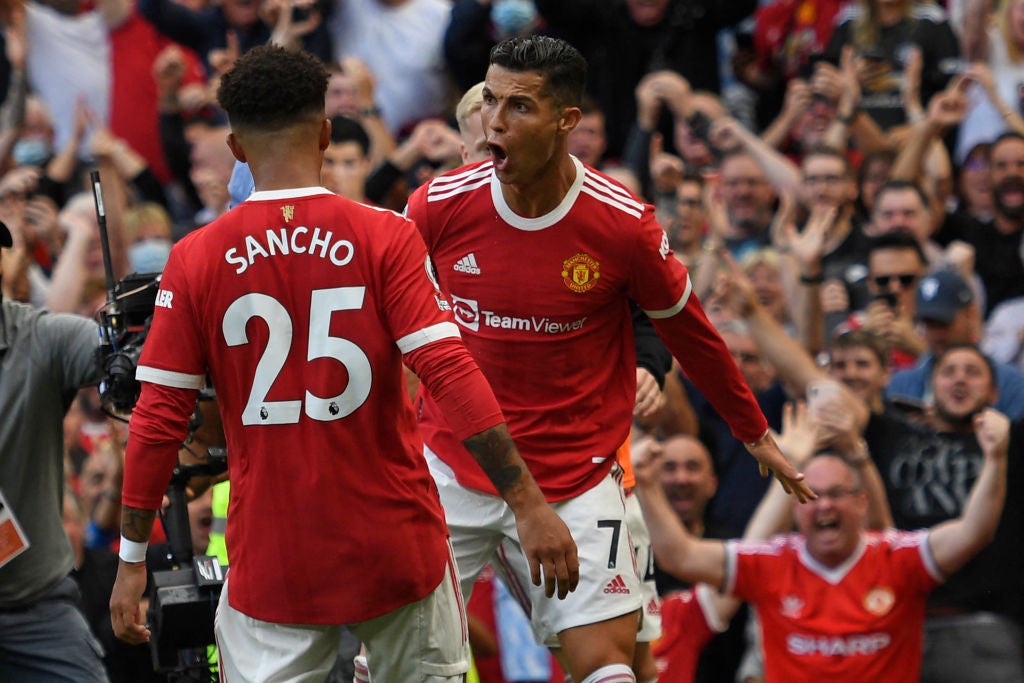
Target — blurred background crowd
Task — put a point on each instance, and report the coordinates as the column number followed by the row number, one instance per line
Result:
column 844, row 180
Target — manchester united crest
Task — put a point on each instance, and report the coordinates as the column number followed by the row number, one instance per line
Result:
column 580, row 273
column 288, row 211
column 879, row 600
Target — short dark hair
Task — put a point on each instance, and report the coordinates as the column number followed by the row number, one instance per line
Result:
column 344, row 129
column 902, row 185
column 1008, row 135
column 897, row 239
column 563, row 67
column 967, row 347
column 862, row 339
column 689, row 177
column 832, row 153
column 270, row 88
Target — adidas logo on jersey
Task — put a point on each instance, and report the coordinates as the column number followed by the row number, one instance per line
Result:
column 617, row 585
column 467, row 264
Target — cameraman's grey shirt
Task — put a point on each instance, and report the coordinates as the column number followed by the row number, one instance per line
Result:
column 44, row 358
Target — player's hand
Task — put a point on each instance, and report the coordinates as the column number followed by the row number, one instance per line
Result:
column 771, row 460
column 126, row 613
column 549, row 549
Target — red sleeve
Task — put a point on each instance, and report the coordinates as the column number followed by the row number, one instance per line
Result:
column 660, row 284
column 456, row 383
column 706, row 360
column 748, row 563
column 158, row 427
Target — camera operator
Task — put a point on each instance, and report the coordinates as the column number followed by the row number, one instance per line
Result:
column 44, row 358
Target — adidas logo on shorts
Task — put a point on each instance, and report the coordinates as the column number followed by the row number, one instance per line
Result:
column 467, row 264
column 617, row 585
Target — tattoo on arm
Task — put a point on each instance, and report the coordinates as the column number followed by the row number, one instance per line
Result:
column 136, row 524
column 494, row 450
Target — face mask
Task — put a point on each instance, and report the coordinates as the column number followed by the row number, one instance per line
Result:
column 511, row 17
column 149, row 256
column 31, row 152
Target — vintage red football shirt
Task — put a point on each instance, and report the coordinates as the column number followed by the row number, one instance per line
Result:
column 688, row 622
column 300, row 305
column 543, row 307
column 860, row 621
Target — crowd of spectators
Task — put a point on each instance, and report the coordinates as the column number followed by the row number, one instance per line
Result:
column 864, row 218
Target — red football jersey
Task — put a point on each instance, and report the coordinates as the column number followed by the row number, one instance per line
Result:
column 543, row 307
column 688, row 622
column 860, row 621
column 300, row 305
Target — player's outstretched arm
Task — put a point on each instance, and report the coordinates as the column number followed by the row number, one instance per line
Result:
column 771, row 460
column 126, row 614
column 545, row 538
column 955, row 542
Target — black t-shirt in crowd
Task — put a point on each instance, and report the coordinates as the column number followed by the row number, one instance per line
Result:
column 928, row 476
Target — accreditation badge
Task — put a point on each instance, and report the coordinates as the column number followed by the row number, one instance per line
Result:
column 13, row 541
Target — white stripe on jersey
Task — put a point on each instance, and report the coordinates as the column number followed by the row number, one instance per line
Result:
column 597, row 194
column 435, row 195
column 680, row 305
column 411, row 342
column 168, row 378
column 623, row 194
column 455, row 179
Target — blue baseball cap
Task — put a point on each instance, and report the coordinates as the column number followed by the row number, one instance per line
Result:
column 941, row 295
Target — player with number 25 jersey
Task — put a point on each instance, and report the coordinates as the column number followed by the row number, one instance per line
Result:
column 294, row 301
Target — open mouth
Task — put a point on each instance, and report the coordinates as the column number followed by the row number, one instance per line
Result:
column 827, row 523
column 498, row 154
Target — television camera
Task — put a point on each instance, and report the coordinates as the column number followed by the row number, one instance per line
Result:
column 183, row 600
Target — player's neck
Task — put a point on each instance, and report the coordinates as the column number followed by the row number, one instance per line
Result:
column 284, row 174
column 544, row 192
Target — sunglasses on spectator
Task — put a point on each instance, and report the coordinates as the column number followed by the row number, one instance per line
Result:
column 905, row 279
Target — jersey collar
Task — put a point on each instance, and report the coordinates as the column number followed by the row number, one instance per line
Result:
column 548, row 219
column 290, row 193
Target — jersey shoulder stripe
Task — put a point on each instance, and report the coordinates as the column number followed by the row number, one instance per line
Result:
column 599, row 194
column 616, row 190
column 448, row 182
column 439, row 194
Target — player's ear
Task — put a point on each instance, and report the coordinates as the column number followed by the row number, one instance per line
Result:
column 236, row 148
column 325, row 134
column 569, row 119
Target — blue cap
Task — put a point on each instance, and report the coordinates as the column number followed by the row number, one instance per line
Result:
column 941, row 295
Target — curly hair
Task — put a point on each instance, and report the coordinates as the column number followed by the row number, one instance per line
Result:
column 270, row 88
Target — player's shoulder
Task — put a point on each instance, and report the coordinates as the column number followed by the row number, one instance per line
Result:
column 459, row 183
column 611, row 193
